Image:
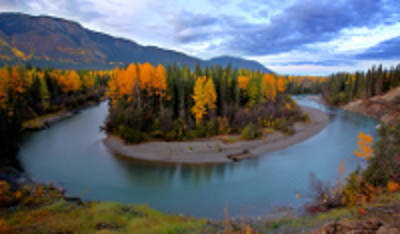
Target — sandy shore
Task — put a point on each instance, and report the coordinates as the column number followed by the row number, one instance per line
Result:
column 214, row 150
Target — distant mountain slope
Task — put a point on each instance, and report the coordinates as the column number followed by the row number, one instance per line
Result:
column 239, row 62
column 48, row 41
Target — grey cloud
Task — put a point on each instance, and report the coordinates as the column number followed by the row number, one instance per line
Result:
column 389, row 49
column 80, row 10
column 296, row 27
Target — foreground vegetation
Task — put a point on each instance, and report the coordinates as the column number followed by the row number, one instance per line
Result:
column 44, row 209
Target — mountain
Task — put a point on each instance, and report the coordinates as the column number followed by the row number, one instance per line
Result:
column 239, row 62
column 49, row 41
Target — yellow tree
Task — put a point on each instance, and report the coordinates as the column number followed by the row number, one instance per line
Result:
column 210, row 94
column 280, row 85
column 16, row 83
column 161, row 79
column 364, row 145
column 148, row 78
column 69, row 82
column 243, row 81
column 270, row 89
column 87, row 81
column 113, row 87
column 127, row 80
column 4, row 82
column 200, row 100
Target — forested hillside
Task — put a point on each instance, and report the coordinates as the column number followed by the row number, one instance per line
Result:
column 59, row 43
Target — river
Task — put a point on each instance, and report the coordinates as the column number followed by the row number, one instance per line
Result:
column 71, row 154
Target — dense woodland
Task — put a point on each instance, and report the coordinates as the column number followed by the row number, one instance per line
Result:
column 27, row 93
column 343, row 87
column 174, row 103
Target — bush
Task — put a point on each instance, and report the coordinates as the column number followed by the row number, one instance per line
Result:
column 201, row 130
column 249, row 132
column 166, row 122
column 212, row 128
column 170, row 136
column 223, row 125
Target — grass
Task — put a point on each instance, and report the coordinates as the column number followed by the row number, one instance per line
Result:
column 38, row 122
column 48, row 212
column 230, row 140
column 311, row 222
column 92, row 217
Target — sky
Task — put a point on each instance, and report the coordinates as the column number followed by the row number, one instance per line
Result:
column 310, row 37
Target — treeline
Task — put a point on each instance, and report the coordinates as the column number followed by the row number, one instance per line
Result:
column 174, row 103
column 304, row 84
column 27, row 93
column 343, row 87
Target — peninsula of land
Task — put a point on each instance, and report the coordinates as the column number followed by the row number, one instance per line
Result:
column 218, row 149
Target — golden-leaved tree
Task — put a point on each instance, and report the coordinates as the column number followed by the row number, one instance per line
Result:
column 16, row 83
column 211, row 94
column 270, row 89
column 4, row 81
column 200, row 99
column 243, row 81
column 113, row 87
column 69, row 82
column 280, row 85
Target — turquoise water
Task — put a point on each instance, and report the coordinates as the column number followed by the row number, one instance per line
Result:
column 71, row 154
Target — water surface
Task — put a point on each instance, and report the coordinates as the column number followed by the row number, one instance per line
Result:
column 71, row 154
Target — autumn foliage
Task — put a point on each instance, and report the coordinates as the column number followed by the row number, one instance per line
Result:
column 27, row 93
column 175, row 103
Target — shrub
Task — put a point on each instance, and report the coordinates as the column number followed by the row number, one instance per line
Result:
column 223, row 125
column 212, row 128
column 240, row 119
column 269, row 130
column 305, row 118
column 170, row 136
column 230, row 140
column 166, row 122
column 249, row 132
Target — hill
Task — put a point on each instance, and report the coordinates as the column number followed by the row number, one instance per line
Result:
column 238, row 62
column 49, row 41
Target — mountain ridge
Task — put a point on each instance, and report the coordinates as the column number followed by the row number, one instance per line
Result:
column 51, row 41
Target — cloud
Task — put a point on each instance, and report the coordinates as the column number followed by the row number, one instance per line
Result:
column 295, row 27
column 219, row 3
column 84, row 11
column 189, row 27
column 388, row 49
column 308, row 22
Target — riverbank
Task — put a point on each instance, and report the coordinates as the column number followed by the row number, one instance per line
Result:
column 384, row 107
column 45, row 121
column 218, row 149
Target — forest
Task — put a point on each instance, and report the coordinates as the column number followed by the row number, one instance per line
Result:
column 344, row 87
column 27, row 93
column 174, row 103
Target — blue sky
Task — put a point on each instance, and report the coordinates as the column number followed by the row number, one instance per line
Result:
column 290, row 37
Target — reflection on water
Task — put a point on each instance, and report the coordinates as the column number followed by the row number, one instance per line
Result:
column 71, row 153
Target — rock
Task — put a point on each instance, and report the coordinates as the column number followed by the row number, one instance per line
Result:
column 388, row 230
column 372, row 224
column 101, row 225
column 76, row 200
column 368, row 226
column 244, row 154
